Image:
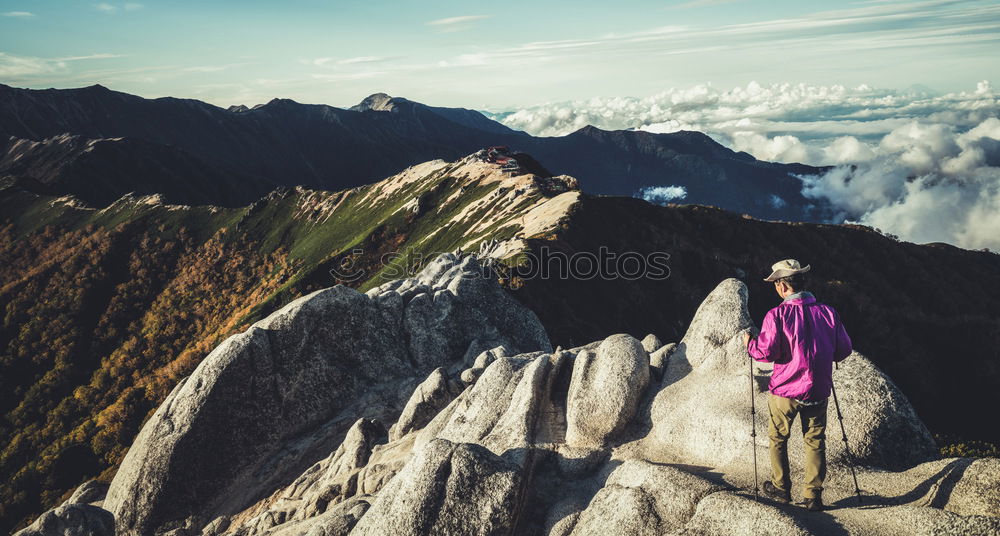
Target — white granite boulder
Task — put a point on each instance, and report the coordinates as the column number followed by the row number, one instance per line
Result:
column 701, row 414
column 259, row 408
column 605, row 390
column 447, row 489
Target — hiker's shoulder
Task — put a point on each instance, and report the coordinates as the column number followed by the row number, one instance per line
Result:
column 778, row 310
column 827, row 308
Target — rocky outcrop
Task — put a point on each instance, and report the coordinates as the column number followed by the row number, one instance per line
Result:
column 615, row 437
column 262, row 406
column 427, row 400
column 700, row 414
column 605, row 390
column 640, row 497
column 730, row 514
column 90, row 492
column 447, row 488
column 72, row 519
column 80, row 515
column 499, row 411
column 651, row 343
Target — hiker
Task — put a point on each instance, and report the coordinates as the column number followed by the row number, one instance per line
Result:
column 803, row 338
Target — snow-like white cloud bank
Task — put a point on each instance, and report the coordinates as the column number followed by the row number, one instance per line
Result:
column 917, row 164
column 662, row 194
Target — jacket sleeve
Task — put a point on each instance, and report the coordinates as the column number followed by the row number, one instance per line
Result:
column 767, row 346
column 843, row 346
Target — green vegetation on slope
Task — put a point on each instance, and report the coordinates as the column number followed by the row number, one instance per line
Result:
column 104, row 311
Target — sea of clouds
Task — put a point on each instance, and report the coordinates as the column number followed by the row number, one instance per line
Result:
column 915, row 163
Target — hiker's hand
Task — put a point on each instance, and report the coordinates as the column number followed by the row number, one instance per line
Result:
column 746, row 338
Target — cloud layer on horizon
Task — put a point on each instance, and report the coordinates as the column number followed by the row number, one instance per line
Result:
column 920, row 165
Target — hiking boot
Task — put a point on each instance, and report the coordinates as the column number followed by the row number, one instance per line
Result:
column 771, row 491
column 813, row 504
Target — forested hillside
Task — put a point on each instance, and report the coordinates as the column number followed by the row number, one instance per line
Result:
column 104, row 310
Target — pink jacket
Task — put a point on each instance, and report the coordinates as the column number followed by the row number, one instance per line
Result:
column 803, row 338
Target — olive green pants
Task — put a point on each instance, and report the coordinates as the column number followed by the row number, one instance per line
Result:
column 783, row 412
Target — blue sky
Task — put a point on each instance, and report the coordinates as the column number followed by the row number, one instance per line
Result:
column 490, row 55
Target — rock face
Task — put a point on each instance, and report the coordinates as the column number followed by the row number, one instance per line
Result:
column 700, row 414
column 80, row 515
column 72, row 519
column 427, row 400
column 605, row 390
column 259, row 408
column 643, row 498
column 614, row 437
column 447, row 488
column 499, row 411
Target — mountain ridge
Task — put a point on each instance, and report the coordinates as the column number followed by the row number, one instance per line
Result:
column 285, row 143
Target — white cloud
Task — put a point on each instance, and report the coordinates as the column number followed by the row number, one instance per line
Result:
column 455, row 24
column 364, row 59
column 924, row 183
column 807, row 112
column 90, row 57
column 917, row 164
column 23, row 67
column 115, row 8
column 18, row 14
column 662, row 194
column 15, row 66
column 457, row 20
column 784, row 148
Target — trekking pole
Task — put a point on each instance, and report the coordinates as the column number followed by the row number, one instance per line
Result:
column 753, row 432
column 847, row 449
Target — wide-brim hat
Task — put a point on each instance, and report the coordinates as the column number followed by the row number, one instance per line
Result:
column 785, row 268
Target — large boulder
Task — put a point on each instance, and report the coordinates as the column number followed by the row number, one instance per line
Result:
column 605, row 389
column 72, row 519
column 337, row 521
column 500, row 411
column 447, row 489
column 430, row 397
column 80, row 515
column 701, row 414
column 643, row 498
column 267, row 403
column 730, row 514
column 91, row 491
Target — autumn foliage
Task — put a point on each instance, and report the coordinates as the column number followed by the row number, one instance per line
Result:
column 98, row 325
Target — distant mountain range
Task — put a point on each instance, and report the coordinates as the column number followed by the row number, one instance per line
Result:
column 97, row 144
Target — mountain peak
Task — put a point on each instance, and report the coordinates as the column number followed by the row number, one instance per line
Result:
column 379, row 102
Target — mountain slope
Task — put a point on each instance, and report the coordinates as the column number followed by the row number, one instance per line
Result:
column 106, row 310
column 98, row 171
column 316, row 146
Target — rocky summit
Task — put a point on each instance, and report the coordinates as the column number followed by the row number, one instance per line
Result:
column 435, row 405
